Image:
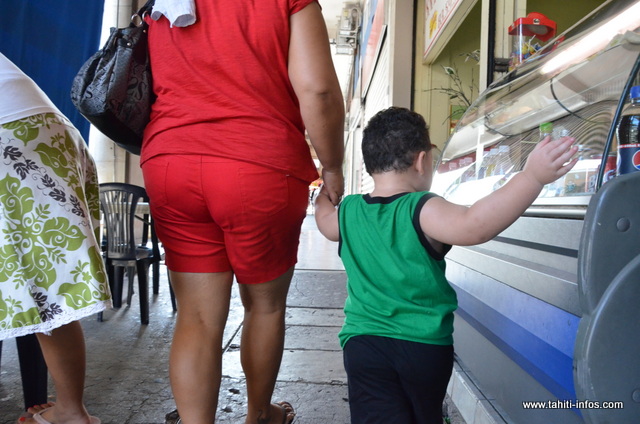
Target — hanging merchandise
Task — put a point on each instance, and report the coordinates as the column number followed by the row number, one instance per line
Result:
column 530, row 35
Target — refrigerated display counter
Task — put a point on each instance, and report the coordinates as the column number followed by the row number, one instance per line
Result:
column 548, row 310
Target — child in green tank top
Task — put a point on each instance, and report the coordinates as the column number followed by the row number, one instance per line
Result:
column 397, row 335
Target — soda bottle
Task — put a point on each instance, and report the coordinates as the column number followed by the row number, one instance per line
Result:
column 629, row 136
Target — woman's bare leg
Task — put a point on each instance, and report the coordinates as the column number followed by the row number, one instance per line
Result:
column 64, row 353
column 195, row 360
column 262, row 345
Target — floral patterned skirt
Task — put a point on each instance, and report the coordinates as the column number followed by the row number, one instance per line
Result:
column 51, row 268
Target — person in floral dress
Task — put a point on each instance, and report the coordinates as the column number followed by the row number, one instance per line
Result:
column 51, row 268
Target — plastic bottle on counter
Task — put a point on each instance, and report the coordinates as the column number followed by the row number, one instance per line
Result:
column 484, row 164
column 628, row 134
column 469, row 172
column 503, row 161
column 610, row 168
column 557, row 187
column 559, row 131
column 546, row 129
column 491, row 162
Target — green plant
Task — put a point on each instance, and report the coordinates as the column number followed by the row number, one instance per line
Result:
column 459, row 90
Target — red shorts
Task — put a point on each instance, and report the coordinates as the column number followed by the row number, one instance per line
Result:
column 214, row 215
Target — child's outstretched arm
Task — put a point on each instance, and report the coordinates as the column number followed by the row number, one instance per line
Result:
column 326, row 216
column 454, row 224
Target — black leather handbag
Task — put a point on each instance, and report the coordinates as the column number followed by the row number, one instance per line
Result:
column 113, row 89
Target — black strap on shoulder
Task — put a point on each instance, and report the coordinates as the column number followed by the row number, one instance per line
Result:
column 423, row 239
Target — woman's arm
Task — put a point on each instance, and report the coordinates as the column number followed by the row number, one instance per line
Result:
column 314, row 81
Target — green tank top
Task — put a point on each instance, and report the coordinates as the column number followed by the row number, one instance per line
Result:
column 396, row 284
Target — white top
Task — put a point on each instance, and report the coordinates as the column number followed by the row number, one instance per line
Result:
column 20, row 97
column 180, row 13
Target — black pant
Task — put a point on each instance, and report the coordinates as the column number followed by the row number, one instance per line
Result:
column 396, row 381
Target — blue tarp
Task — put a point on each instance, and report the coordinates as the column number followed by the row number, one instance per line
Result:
column 49, row 41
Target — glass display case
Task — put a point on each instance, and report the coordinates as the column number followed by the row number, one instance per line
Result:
column 577, row 85
column 548, row 308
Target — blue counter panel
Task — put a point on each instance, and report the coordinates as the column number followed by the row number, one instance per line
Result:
column 534, row 334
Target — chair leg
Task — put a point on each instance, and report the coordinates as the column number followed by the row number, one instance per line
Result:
column 156, row 277
column 116, row 281
column 143, row 291
column 131, row 272
column 174, row 305
column 33, row 370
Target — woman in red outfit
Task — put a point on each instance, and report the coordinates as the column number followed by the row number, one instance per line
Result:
column 227, row 169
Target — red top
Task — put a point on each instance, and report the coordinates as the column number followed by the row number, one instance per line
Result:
column 223, row 86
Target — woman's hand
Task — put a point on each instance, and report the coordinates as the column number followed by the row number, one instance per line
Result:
column 333, row 185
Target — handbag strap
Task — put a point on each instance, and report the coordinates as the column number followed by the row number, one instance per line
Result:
column 146, row 8
column 138, row 18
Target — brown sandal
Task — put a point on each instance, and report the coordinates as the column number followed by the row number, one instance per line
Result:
column 289, row 412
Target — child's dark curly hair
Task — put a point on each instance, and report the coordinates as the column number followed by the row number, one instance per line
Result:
column 392, row 139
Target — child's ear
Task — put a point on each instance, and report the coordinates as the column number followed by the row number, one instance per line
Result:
column 422, row 162
column 429, row 156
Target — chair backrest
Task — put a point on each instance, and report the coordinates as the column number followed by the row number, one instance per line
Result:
column 118, row 202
